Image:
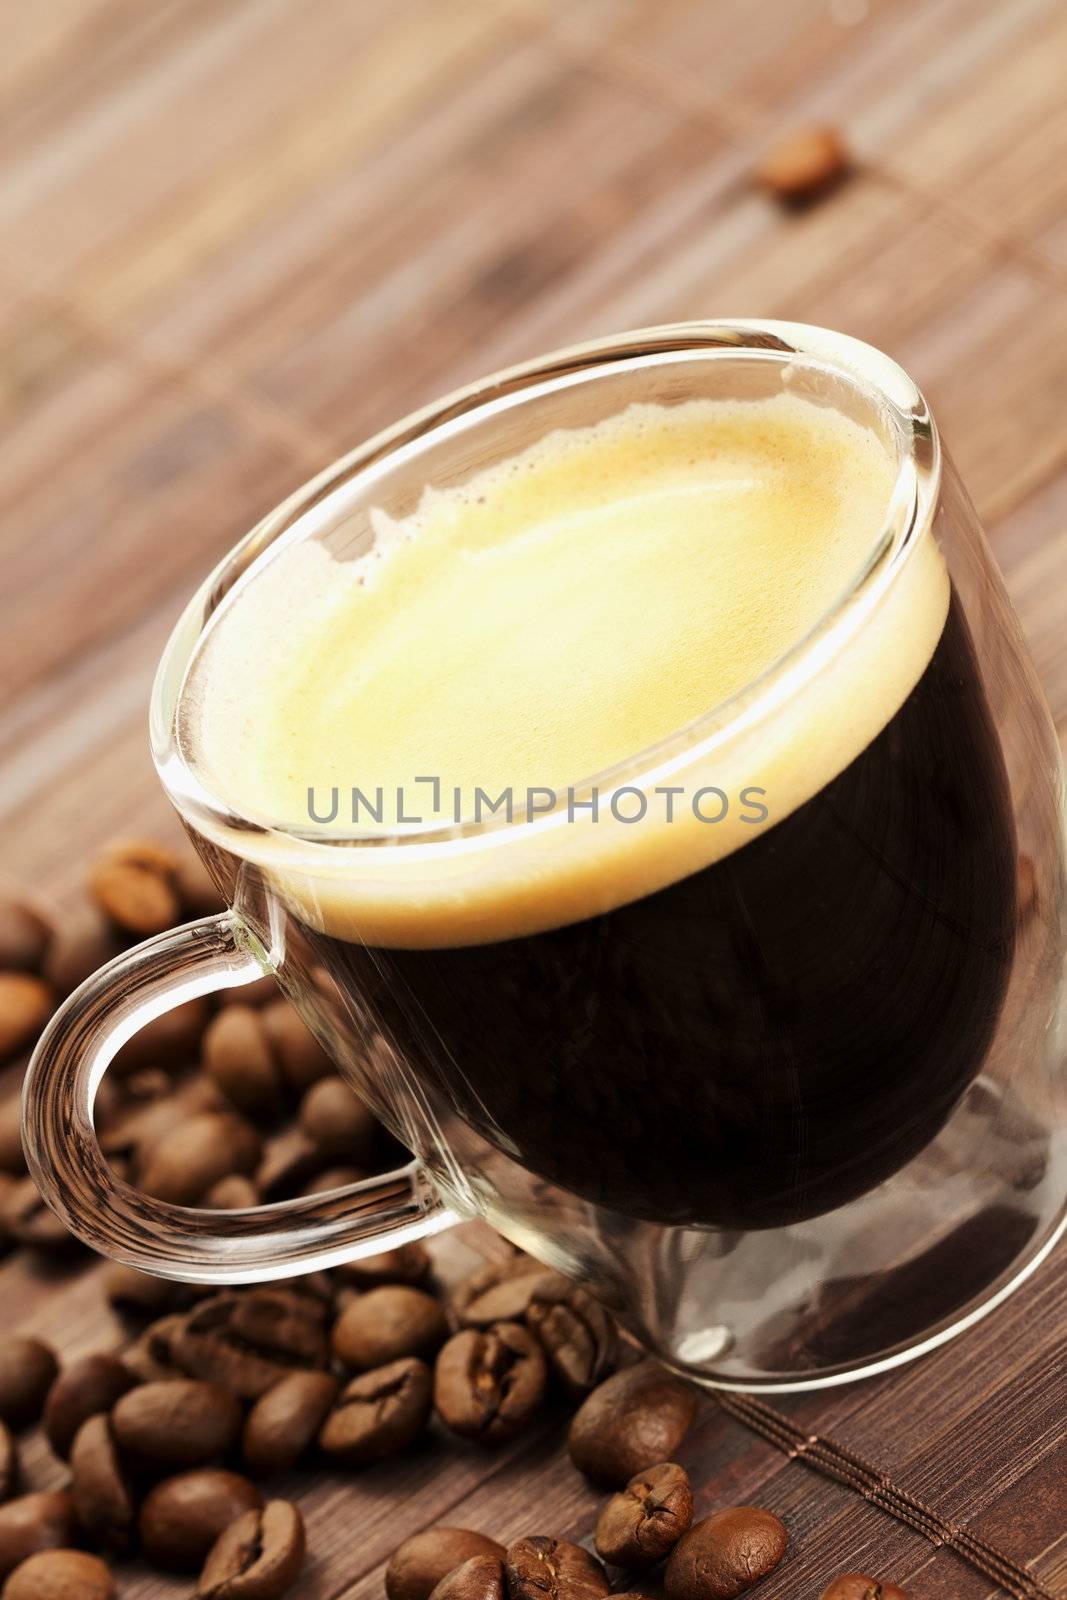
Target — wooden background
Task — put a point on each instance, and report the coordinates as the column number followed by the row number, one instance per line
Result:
column 238, row 235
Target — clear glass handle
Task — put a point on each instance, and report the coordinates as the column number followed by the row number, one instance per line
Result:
column 64, row 1156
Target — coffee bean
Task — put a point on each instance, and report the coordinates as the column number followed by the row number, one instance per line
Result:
column 9, row 1463
column 27, row 1372
column 336, row 1120
column 198, row 894
column 7, row 1183
column 645, row 1520
column 803, row 163
column 408, row 1263
column 335, row 1178
column 170, row 1040
column 231, row 1194
column 419, row 1564
column 387, row 1323
column 634, row 1419
column 140, row 1293
column 259, row 992
column 141, row 1126
column 197, row 1153
column 379, row 1413
column 286, row 1420
column 183, row 1516
column 537, row 1567
column 81, row 1390
column 300, row 1057
column 179, row 1422
column 245, row 1341
column 290, row 1161
column 27, row 1220
column 60, row 1575
column 725, row 1554
column 258, row 1557
column 575, row 1332
column 12, row 1157
column 857, row 1586
column 239, row 1057
column 80, row 946
column 103, row 1496
column 133, row 884
column 499, row 1292
column 24, row 935
column 34, row 1522
column 149, row 1358
column 480, row 1578
column 26, row 1003
column 488, row 1385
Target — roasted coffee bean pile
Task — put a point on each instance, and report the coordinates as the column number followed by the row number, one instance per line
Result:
column 171, row 1440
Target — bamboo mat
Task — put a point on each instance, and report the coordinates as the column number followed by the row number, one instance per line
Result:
column 236, row 236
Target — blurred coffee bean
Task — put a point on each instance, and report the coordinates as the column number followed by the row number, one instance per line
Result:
column 285, row 1421
column 132, row 882
column 498, row 1292
column 258, row 1557
column 239, row 1058
column 335, row 1178
column 857, row 1586
column 103, row 1496
column 27, row 1371
column 80, row 946
column 150, row 1357
column 245, row 1341
column 197, row 1153
column 387, row 1323
column 139, row 1128
column 169, row 1040
column 12, row 1158
column 489, row 1384
column 197, row 893
column 24, row 934
column 183, row 1516
column 35, row 1522
column 418, row 1565
column 231, row 1194
column 300, row 1057
column 141, row 1293
column 27, row 1220
column 337, row 1121
column 643, row 1522
column 409, row 1263
column 725, row 1554
column 82, row 1389
column 259, row 992
column 575, row 1332
column 9, row 1462
column 60, row 1575
column 290, row 1161
column 538, row 1566
column 379, row 1413
column 26, row 1003
column 803, row 164
column 633, row 1420
column 176, row 1422
column 479, row 1578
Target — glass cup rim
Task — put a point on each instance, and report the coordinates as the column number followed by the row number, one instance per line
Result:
column 909, row 510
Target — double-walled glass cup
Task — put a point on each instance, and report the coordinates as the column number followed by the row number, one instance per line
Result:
column 794, row 1112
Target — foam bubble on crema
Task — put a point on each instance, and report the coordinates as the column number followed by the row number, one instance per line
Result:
column 552, row 617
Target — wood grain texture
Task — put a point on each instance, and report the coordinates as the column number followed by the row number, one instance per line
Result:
column 238, row 235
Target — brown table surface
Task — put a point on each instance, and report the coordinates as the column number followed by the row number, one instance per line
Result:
column 236, row 236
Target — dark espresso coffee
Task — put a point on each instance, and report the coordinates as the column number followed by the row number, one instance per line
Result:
column 738, row 1023
column 768, row 1037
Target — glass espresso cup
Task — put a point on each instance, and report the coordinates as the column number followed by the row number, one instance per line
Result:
column 791, row 1107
